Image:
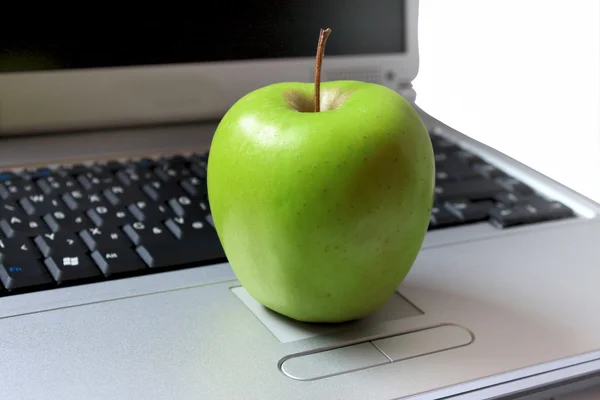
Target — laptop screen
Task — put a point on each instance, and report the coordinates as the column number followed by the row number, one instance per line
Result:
column 259, row 29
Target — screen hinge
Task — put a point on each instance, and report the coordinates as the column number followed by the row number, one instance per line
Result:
column 406, row 90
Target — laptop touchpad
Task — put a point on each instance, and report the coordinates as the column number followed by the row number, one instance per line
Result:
column 288, row 330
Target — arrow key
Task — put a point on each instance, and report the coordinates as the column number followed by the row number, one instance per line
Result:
column 118, row 261
column 50, row 243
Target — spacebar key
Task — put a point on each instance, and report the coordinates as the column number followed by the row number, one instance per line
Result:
column 180, row 253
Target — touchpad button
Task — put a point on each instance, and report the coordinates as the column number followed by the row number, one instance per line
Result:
column 422, row 342
column 344, row 359
column 333, row 362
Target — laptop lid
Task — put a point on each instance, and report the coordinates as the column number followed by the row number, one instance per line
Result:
column 125, row 72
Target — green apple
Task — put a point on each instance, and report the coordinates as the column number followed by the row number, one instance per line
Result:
column 321, row 214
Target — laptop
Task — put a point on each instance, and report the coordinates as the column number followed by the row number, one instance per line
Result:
column 113, row 283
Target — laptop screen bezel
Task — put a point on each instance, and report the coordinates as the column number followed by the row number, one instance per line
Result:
column 83, row 99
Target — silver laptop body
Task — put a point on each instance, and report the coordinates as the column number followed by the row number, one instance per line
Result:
column 486, row 312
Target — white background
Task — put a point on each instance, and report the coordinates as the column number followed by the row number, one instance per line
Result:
column 522, row 76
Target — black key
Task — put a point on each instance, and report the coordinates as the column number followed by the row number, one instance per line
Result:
column 541, row 209
column 97, row 181
column 509, row 217
column 147, row 211
column 97, row 212
column 67, row 222
column 135, row 176
column 187, row 228
column 118, row 261
column 55, row 184
column 181, row 253
column 439, row 159
column 508, row 199
column 197, row 158
column 7, row 176
column 28, row 226
column 40, row 204
column 141, row 233
column 467, row 157
column 144, row 164
column 35, row 174
column 442, row 176
column 97, row 238
column 23, row 272
column 487, row 170
column 97, row 171
column 475, row 189
column 18, row 247
column 199, row 169
column 176, row 162
column 9, row 208
column 172, row 172
column 111, row 166
column 194, row 187
column 17, row 188
column 515, row 186
column 59, row 242
column 470, row 212
column 75, row 169
column 184, row 206
column 205, row 205
column 67, row 266
column 441, row 145
column 161, row 192
column 102, row 216
column 442, row 218
column 80, row 200
column 210, row 220
column 122, row 195
column 111, row 197
column 456, row 169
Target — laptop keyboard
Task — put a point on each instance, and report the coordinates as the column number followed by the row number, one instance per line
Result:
column 470, row 190
column 79, row 224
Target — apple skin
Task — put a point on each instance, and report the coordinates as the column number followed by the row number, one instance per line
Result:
column 321, row 215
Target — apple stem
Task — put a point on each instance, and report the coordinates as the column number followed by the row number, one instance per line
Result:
column 320, row 51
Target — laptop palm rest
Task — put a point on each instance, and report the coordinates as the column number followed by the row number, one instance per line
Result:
column 186, row 335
